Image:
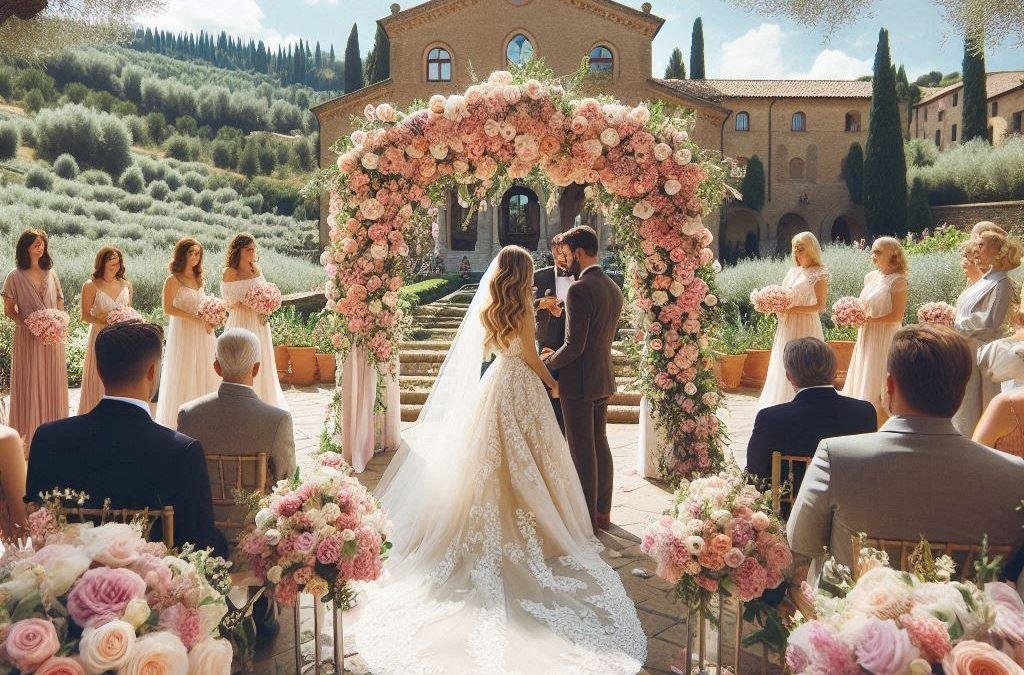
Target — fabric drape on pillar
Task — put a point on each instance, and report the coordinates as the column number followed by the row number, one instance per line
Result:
column 363, row 431
column 651, row 442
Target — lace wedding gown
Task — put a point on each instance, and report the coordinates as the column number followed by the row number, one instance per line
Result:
column 495, row 568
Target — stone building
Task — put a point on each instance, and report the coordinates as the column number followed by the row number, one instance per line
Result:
column 801, row 130
column 938, row 115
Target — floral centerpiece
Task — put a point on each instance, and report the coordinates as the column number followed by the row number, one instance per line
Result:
column 86, row 600
column 263, row 297
column 50, row 326
column 939, row 313
column 122, row 314
column 317, row 534
column 212, row 311
column 849, row 311
column 773, row 299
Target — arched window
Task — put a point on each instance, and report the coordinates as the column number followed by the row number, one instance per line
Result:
column 799, row 122
column 743, row 121
column 601, row 60
column 519, row 50
column 852, row 121
column 439, row 65
column 796, row 168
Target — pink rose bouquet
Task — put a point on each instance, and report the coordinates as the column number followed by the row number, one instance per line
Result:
column 122, row 314
column 212, row 310
column 263, row 298
column 50, row 326
column 317, row 534
column 848, row 311
column 939, row 313
column 772, row 299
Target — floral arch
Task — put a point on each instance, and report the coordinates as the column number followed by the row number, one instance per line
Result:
column 641, row 169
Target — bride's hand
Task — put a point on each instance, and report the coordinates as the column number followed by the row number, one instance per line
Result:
column 554, row 390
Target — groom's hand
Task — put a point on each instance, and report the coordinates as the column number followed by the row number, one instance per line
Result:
column 545, row 353
column 551, row 304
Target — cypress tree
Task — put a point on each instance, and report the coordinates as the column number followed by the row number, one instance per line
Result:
column 697, row 51
column 975, row 114
column 676, row 70
column 854, row 173
column 381, row 58
column 919, row 213
column 353, row 62
column 752, row 187
column 885, row 165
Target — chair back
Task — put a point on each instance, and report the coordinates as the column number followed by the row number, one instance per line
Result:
column 778, row 459
column 126, row 516
column 964, row 555
column 230, row 474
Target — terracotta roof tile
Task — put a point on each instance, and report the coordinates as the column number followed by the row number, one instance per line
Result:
column 720, row 90
column 996, row 83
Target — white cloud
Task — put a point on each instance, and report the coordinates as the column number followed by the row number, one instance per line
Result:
column 758, row 54
column 833, row 64
column 238, row 17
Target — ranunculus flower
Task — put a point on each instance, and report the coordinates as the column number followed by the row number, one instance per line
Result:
column 210, row 657
column 978, row 658
column 107, row 647
column 102, row 594
column 61, row 665
column 30, row 643
column 159, row 653
column 371, row 209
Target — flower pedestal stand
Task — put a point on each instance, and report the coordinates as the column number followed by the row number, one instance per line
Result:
column 709, row 656
column 319, row 666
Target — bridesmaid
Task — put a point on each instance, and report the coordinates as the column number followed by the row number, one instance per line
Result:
column 39, row 373
column 241, row 273
column 885, row 302
column 981, row 313
column 187, row 372
column 808, row 280
column 106, row 290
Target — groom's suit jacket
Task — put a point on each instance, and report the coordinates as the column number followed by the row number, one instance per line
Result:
column 584, row 361
column 550, row 328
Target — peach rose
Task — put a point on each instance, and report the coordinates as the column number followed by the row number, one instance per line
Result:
column 159, row 653
column 30, row 643
column 61, row 665
column 210, row 657
column 978, row 658
column 107, row 647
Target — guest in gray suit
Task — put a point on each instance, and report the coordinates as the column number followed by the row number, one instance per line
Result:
column 917, row 476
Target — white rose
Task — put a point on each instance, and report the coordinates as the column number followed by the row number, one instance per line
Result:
column 662, row 151
column 106, row 647
column 643, row 209
column 371, row 209
column 439, row 151
column 676, row 289
column 274, row 574
column 711, row 300
column 348, row 535
column 358, row 137
column 492, row 128
column 210, row 657
column 161, row 652
column 455, row 108
column 716, row 267
column 386, row 113
column 332, row 511
column 113, row 544
column 721, row 516
column 593, row 147
column 672, row 187
column 60, row 566
column 273, row 536
column 136, row 612
column 610, row 137
column 690, row 388
column 370, row 161
column 265, row 517
column 413, row 152
column 682, row 156
column 659, row 298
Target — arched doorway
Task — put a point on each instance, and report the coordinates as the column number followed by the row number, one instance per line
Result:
column 841, row 233
column 789, row 226
column 520, row 218
column 462, row 232
column 740, row 237
column 570, row 205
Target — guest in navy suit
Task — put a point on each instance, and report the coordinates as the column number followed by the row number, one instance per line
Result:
column 117, row 451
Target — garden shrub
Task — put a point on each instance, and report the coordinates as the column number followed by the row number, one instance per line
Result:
column 66, row 167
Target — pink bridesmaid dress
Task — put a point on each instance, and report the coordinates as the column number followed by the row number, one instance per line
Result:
column 39, row 373
column 267, row 386
column 187, row 372
column 92, row 386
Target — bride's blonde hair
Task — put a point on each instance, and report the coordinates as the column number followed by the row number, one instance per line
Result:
column 511, row 301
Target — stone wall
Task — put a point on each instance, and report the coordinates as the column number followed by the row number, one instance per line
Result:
column 1007, row 214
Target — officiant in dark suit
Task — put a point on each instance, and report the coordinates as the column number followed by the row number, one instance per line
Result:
column 550, row 288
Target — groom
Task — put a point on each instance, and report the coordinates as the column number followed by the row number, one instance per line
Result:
column 586, row 377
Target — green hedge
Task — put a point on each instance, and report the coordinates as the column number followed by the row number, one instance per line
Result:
column 429, row 290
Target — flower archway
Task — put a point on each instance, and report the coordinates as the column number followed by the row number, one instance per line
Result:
column 641, row 169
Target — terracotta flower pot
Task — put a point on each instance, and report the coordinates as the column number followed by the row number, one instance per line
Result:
column 281, row 360
column 730, row 370
column 303, row 360
column 843, row 350
column 755, row 367
column 326, row 366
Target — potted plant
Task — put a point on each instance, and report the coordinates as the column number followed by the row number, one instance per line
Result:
column 326, row 363
column 761, row 335
column 301, row 352
column 730, row 349
column 841, row 339
column 281, row 333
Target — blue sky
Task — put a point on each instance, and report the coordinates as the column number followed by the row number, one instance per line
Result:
column 737, row 43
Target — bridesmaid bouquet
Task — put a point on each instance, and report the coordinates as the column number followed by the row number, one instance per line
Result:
column 122, row 314
column 848, row 311
column 317, row 534
column 50, row 326
column 263, row 298
column 939, row 313
column 772, row 299
column 213, row 311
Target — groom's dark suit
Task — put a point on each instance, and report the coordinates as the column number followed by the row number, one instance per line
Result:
column 586, row 378
column 116, row 450
column 550, row 328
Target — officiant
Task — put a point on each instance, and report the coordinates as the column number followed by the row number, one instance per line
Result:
column 550, row 288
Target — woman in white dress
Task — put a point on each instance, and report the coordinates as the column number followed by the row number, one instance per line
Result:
column 495, row 568
column 106, row 290
column 809, row 282
column 884, row 298
column 239, row 276
column 187, row 372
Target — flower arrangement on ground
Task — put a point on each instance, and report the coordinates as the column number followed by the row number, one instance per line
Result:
column 773, row 299
column 86, row 600
column 263, row 297
column 50, row 326
column 939, row 313
column 889, row 622
column 122, row 314
column 317, row 534
column 212, row 310
column 848, row 311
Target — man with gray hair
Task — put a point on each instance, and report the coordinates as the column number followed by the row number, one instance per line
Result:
column 818, row 411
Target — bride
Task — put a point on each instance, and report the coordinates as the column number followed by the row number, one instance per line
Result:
column 495, row 568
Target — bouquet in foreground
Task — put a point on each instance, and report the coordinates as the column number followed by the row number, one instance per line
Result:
column 122, row 314
column 919, row 622
column 772, row 299
column 316, row 534
column 939, row 313
column 50, row 326
column 263, row 297
column 82, row 600
column 212, row 310
column 848, row 311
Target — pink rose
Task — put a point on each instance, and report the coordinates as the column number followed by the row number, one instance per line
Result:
column 30, row 643
column 882, row 648
column 734, row 558
column 102, row 594
column 971, row 658
column 61, row 665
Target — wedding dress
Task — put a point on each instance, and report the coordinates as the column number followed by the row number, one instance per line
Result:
column 495, row 568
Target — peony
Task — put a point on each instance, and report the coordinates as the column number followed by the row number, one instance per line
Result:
column 102, row 594
column 30, row 643
column 159, row 653
column 881, row 592
column 106, row 647
column 882, row 648
column 61, row 665
column 978, row 658
column 113, row 544
column 210, row 657
column 533, row 89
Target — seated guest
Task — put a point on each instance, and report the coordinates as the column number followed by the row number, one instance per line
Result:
column 817, row 412
column 117, row 451
column 234, row 421
column 1000, row 426
column 13, row 521
column 916, row 476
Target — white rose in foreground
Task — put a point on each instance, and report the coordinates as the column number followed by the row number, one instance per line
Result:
column 107, row 647
column 136, row 612
column 659, row 298
column 210, row 657
column 61, row 564
column 265, row 517
column 159, row 653
column 113, row 544
column 682, row 156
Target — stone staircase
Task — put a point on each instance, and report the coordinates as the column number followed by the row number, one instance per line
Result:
column 434, row 328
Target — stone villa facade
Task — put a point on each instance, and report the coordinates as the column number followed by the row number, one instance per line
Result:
column 938, row 116
column 801, row 130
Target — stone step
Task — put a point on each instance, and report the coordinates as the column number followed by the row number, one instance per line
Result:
column 617, row 414
column 445, row 345
column 446, row 311
column 428, row 363
column 425, row 382
column 620, row 398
